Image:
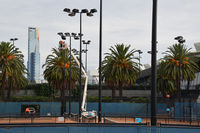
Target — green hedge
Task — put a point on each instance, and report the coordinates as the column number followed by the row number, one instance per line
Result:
column 134, row 87
column 30, row 99
column 125, row 99
column 90, row 87
column 89, row 99
column 139, row 100
column 41, row 89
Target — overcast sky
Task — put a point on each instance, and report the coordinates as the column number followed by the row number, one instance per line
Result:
column 124, row 21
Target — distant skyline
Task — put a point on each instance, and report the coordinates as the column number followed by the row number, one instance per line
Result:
column 33, row 63
column 124, row 21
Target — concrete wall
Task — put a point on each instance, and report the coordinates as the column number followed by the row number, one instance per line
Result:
column 126, row 93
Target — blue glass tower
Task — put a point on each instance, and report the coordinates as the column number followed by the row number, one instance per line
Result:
column 33, row 63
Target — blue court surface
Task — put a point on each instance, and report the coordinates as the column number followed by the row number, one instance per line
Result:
column 107, row 129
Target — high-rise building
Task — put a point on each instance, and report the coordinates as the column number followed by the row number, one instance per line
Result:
column 33, row 64
column 197, row 46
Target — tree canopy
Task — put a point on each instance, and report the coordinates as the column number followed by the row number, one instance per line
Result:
column 54, row 69
column 168, row 72
column 119, row 68
column 13, row 70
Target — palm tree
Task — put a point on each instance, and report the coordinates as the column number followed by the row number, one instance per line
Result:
column 165, row 85
column 57, row 72
column 16, row 80
column 54, row 68
column 12, row 68
column 169, row 68
column 108, row 78
column 119, row 68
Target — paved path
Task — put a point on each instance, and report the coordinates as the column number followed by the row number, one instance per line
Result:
column 160, row 121
column 36, row 120
column 107, row 120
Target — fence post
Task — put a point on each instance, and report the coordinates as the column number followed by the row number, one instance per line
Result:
column 147, row 109
column 9, row 118
column 104, row 117
column 125, row 118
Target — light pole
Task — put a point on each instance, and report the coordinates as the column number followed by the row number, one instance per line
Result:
column 181, row 41
column 63, row 99
column 90, row 14
column 153, row 64
column 63, row 36
column 70, row 77
column 86, row 43
column 13, row 40
column 100, row 59
column 139, row 52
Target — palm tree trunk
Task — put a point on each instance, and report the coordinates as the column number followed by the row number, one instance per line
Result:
column 113, row 93
column 62, row 100
column 3, row 86
column 8, row 92
column 120, row 91
column 9, row 89
column 178, row 88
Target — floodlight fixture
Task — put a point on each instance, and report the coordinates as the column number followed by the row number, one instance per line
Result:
column 90, row 14
column 60, row 33
column 72, row 14
column 93, row 10
column 139, row 51
column 76, row 37
column 75, row 10
column 79, row 34
column 13, row 39
column 178, row 38
column 67, row 34
column 84, row 11
column 67, row 10
column 84, row 42
column 73, row 34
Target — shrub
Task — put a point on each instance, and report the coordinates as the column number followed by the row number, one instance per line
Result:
column 139, row 100
column 30, row 99
column 41, row 89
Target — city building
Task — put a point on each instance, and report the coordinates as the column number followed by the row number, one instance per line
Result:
column 194, row 84
column 93, row 77
column 33, row 64
column 197, row 46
